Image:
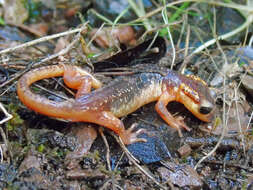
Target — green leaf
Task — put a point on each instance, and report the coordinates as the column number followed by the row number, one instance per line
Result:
column 163, row 32
column 241, row 63
column 41, row 148
column 90, row 55
column 2, row 21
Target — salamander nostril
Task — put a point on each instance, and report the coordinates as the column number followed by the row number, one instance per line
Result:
column 206, row 107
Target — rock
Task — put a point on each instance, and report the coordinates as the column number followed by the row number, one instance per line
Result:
column 184, row 150
column 247, row 82
column 180, row 175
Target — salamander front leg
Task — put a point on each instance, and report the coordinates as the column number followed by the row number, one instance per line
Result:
column 161, row 109
column 128, row 136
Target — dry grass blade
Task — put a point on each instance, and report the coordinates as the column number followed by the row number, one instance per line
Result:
column 250, row 120
column 43, row 39
column 107, row 148
column 8, row 116
column 224, row 123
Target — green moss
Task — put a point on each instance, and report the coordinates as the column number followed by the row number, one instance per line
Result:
column 57, row 153
column 41, row 148
column 163, row 32
column 96, row 155
column 2, row 22
column 16, row 120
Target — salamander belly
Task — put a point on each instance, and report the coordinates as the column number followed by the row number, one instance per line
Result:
column 145, row 89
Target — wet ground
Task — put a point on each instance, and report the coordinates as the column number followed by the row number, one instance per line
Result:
column 39, row 152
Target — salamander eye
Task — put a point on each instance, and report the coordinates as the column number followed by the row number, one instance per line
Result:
column 206, row 107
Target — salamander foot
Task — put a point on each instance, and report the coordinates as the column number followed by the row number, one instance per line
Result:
column 130, row 137
column 180, row 121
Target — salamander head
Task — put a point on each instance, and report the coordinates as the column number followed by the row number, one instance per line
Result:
column 196, row 96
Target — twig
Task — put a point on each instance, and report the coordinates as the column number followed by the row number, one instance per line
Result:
column 2, row 156
column 187, row 40
column 95, row 35
column 236, row 6
column 6, row 142
column 26, row 28
column 133, row 160
column 224, row 123
column 250, row 169
column 107, row 183
column 251, row 41
column 166, row 21
column 186, row 60
column 155, row 29
column 107, row 148
column 248, row 21
column 120, row 158
column 62, row 52
column 224, row 128
column 14, row 78
column 46, row 38
column 8, row 88
column 65, row 88
column 50, row 92
column 239, row 121
column 8, row 116
column 250, row 120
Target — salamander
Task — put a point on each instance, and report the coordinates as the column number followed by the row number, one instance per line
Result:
column 105, row 105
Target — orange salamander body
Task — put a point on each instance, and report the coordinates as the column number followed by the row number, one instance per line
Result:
column 122, row 96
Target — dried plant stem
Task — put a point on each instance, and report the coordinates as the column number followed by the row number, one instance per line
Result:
column 2, row 156
column 166, row 21
column 225, row 36
column 236, row 6
column 62, row 52
column 134, row 161
column 8, row 116
column 239, row 121
column 224, row 128
column 107, row 148
column 43, row 39
column 224, row 121
column 251, row 116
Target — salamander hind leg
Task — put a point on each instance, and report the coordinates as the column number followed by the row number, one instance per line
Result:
column 128, row 136
column 77, row 78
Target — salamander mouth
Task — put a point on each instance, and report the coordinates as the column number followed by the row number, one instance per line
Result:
column 203, row 110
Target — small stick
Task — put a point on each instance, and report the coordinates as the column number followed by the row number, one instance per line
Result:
column 46, row 38
column 224, row 123
column 62, row 52
column 2, row 156
column 107, row 148
column 134, row 161
column 8, row 116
